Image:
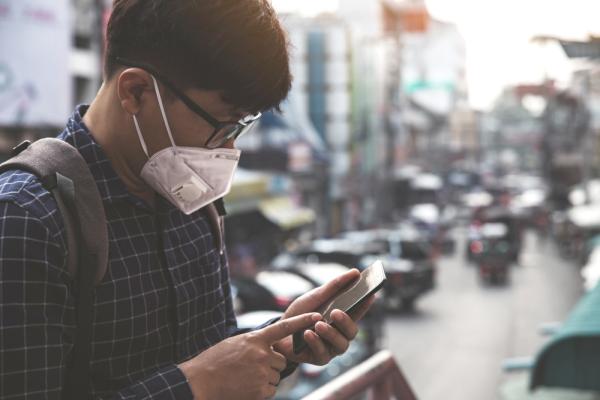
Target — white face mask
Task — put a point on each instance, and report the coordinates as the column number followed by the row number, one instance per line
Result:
column 189, row 177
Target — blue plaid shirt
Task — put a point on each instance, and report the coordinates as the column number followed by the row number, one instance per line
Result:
column 164, row 299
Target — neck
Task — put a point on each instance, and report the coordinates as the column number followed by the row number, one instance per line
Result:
column 112, row 129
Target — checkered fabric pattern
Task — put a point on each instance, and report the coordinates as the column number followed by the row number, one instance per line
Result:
column 164, row 299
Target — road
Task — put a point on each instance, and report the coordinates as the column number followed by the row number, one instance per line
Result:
column 453, row 345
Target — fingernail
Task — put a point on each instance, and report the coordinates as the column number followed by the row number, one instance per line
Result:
column 336, row 316
column 316, row 317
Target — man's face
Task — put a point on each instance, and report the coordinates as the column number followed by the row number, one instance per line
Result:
column 197, row 118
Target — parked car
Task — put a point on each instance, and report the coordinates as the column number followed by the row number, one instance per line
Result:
column 336, row 250
column 435, row 224
column 407, row 279
column 286, row 286
column 410, row 261
column 248, row 296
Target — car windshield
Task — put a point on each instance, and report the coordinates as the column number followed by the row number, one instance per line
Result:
column 414, row 251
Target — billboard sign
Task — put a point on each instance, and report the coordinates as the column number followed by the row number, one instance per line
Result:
column 35, row 43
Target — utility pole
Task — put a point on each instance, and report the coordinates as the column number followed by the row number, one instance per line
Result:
column 100, row 7
column 586, row 140
column 393, row 95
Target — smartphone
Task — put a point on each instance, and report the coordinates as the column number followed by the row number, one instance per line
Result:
column 349, row 298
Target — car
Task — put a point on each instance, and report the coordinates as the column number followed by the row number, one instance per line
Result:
column 500, row 215
column 248, row 295
column 268, row 290
column 495, row 257
column 434, row 222
column 407, row 279
column 338, row 250
column 286, row 286
column 410, row 263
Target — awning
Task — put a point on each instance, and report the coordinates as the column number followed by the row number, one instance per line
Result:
column 247, row 190
column 589, row 49
column 249, row 184
column 572, row 358
column 285, row 214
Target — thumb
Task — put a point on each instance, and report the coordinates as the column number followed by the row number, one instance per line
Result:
column 324, row 293
column 288, row 326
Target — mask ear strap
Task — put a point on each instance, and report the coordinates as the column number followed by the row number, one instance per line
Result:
column 139, row 132
column 162, row 110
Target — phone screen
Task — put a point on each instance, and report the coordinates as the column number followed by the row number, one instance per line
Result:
column 370, row 281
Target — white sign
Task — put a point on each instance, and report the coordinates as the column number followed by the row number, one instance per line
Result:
column 35, row 43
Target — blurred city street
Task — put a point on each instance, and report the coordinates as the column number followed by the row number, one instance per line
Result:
column 455, row 342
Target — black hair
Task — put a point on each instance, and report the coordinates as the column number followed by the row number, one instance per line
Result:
column 237, row 47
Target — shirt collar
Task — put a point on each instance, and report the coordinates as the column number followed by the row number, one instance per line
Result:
column 110, row 185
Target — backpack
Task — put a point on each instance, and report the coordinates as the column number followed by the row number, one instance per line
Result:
column 66, row 175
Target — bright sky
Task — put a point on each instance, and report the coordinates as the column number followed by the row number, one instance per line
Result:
column 497, row 34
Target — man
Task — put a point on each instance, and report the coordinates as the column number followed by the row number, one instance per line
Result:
column 183, row 79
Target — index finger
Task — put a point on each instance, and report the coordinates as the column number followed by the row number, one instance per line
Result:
column 288, row 326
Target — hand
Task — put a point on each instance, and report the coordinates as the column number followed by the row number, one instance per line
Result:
column 329, row 340
column 243, row 366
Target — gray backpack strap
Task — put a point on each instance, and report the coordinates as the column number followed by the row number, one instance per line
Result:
column 65, row 174
column 55, row 163
column 216, row 224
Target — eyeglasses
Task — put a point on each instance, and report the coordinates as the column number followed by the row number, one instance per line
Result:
column 224, row 131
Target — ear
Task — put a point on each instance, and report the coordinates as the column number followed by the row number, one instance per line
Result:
column 132, row 85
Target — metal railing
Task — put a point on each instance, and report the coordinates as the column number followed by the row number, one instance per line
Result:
column 379, row 376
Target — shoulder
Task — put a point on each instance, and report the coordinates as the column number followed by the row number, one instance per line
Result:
column 22, row 195
column 32, row 247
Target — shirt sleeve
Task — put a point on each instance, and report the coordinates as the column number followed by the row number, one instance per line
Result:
column 167, row 384
column 36, row 317
column 34, row 309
